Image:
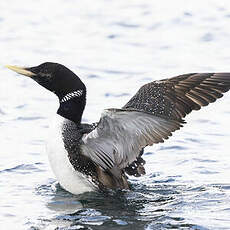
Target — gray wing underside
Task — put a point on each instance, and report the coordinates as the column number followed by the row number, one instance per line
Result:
column 121, row 134
column 152, row 114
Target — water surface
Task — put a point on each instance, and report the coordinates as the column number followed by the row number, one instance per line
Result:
column 115, row 47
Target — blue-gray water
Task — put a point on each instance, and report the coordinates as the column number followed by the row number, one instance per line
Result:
column 115, row 46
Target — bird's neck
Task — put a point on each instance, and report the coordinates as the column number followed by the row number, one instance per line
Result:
column 73, row 108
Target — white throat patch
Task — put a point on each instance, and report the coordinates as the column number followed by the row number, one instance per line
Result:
column 71, row 95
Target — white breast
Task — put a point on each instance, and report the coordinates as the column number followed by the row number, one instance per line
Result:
column 68, row 178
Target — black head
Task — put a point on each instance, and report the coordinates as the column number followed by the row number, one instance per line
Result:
column 55, row 77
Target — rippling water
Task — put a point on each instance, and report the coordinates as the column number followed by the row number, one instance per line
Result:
column 115, row 46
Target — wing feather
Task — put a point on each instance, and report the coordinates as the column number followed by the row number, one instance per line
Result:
column 176, row 97
column 121, row 135
column 150, row 117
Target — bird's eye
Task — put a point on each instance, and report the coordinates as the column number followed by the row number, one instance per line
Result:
column 46, row 75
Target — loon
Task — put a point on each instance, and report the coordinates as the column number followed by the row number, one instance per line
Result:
column 85, row 157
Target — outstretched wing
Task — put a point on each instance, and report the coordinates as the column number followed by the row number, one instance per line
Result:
column 152, row 114
column 121, row 134
column 176, row 97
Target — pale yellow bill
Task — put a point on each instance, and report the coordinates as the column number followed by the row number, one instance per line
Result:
column 20, row 70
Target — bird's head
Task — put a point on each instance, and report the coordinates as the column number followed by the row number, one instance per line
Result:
column 58, row 79
column 53, row 76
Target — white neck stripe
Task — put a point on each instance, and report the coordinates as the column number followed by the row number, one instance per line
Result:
column 71, row 95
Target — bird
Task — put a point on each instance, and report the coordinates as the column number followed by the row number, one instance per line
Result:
column 102, row 155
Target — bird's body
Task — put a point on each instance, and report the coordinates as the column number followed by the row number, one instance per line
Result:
column 101, row 155
column 69, row 178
